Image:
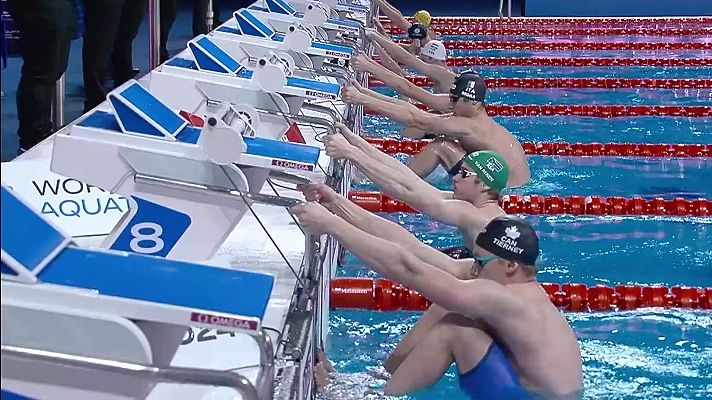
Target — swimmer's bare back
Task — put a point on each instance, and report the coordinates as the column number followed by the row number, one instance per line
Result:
column 546, row 355
column 487, row 134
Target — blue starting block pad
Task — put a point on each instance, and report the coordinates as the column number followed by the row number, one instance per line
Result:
column 208, row 56
column 140, row 113
column 192, row 288
column 29, row 242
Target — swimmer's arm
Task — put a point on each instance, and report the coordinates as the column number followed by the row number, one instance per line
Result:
column 401, row 54
column 476, row 298
column 452, row 126
column 440, row 102
column 393, row 14
column 399, row 181
column 387, row 61
column 385, row 229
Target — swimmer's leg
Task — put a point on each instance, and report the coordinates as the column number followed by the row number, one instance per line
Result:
column 417, row 334
column 438, row 152
column 455, row 338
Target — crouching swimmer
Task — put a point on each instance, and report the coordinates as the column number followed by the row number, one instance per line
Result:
column 519, row 346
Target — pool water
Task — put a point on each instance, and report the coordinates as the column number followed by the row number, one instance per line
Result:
column 643, row 354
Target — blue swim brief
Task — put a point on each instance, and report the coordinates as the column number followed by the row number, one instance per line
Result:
column 493, row 378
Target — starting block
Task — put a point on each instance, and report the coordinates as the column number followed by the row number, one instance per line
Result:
column 207, row 70
column 251, row 32
column 184, row 180
column 112, row 315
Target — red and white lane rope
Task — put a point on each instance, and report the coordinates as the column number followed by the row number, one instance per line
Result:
column 412, row 147
column 557, row 205
column 577, row 21
column 488, row 30
column 587, row 110
column 583, row 83
column 497, row 45
column 386, row 295
column 578, row 62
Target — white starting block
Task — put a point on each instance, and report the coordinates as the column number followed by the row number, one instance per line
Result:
column 342, row 9
column 250, row 32
column 279, row 12
column 101, row 324
column 187, row 186
column 280, row 15
column 205, row 69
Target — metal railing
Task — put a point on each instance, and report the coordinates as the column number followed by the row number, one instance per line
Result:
column 58, row 103
column 150, row 373
column 509, row 8
column 154, row 34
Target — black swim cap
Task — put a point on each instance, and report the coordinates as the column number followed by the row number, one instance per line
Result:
column 510, row 238
column 417, row 31
column 469, row 85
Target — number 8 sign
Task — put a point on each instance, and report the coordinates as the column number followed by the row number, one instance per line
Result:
column 151, row 229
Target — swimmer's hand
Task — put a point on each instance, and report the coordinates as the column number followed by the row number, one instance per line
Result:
column 357, row 85
column 361, row 63
column 314, row 217
column 343, row 129
column 352, row 95
column 319, row 192
column 371, row 33
column 338, row 147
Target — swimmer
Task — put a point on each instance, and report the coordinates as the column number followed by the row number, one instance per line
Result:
column 437, row 100
column 469, row 124
column 477, row 182
column 521, row 346
column 421, row 17
column 431, row 62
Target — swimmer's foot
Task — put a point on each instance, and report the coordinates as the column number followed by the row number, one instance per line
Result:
column 378, row 372
column 322, row 370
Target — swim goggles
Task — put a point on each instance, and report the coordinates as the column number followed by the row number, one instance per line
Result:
column 485, row 260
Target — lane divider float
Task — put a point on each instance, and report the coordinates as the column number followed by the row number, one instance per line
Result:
column 557, row 205
column 412, row 147
column 583, row 83
column 386, row 295
column 578, row 21
column 500, row 45
column 578, row 62
column 517, row 30
column 586, row 110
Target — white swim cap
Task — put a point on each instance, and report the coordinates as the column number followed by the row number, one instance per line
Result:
column 435, row 49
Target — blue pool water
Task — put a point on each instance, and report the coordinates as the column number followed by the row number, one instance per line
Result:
column 625, row 176
column 590, row 72
column 583, row 53
column 638, row 96
column 643, row 354
column 574, row 129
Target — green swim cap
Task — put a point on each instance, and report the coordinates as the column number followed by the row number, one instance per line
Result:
column 489, row 166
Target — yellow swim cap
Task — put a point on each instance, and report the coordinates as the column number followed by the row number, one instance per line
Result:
column 423, row 17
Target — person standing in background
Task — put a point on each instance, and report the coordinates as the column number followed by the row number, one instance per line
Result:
column 47, row 28
column 169, row 11
column 110, row 29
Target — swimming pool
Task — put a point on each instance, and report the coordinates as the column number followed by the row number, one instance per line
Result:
column 648, row 353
